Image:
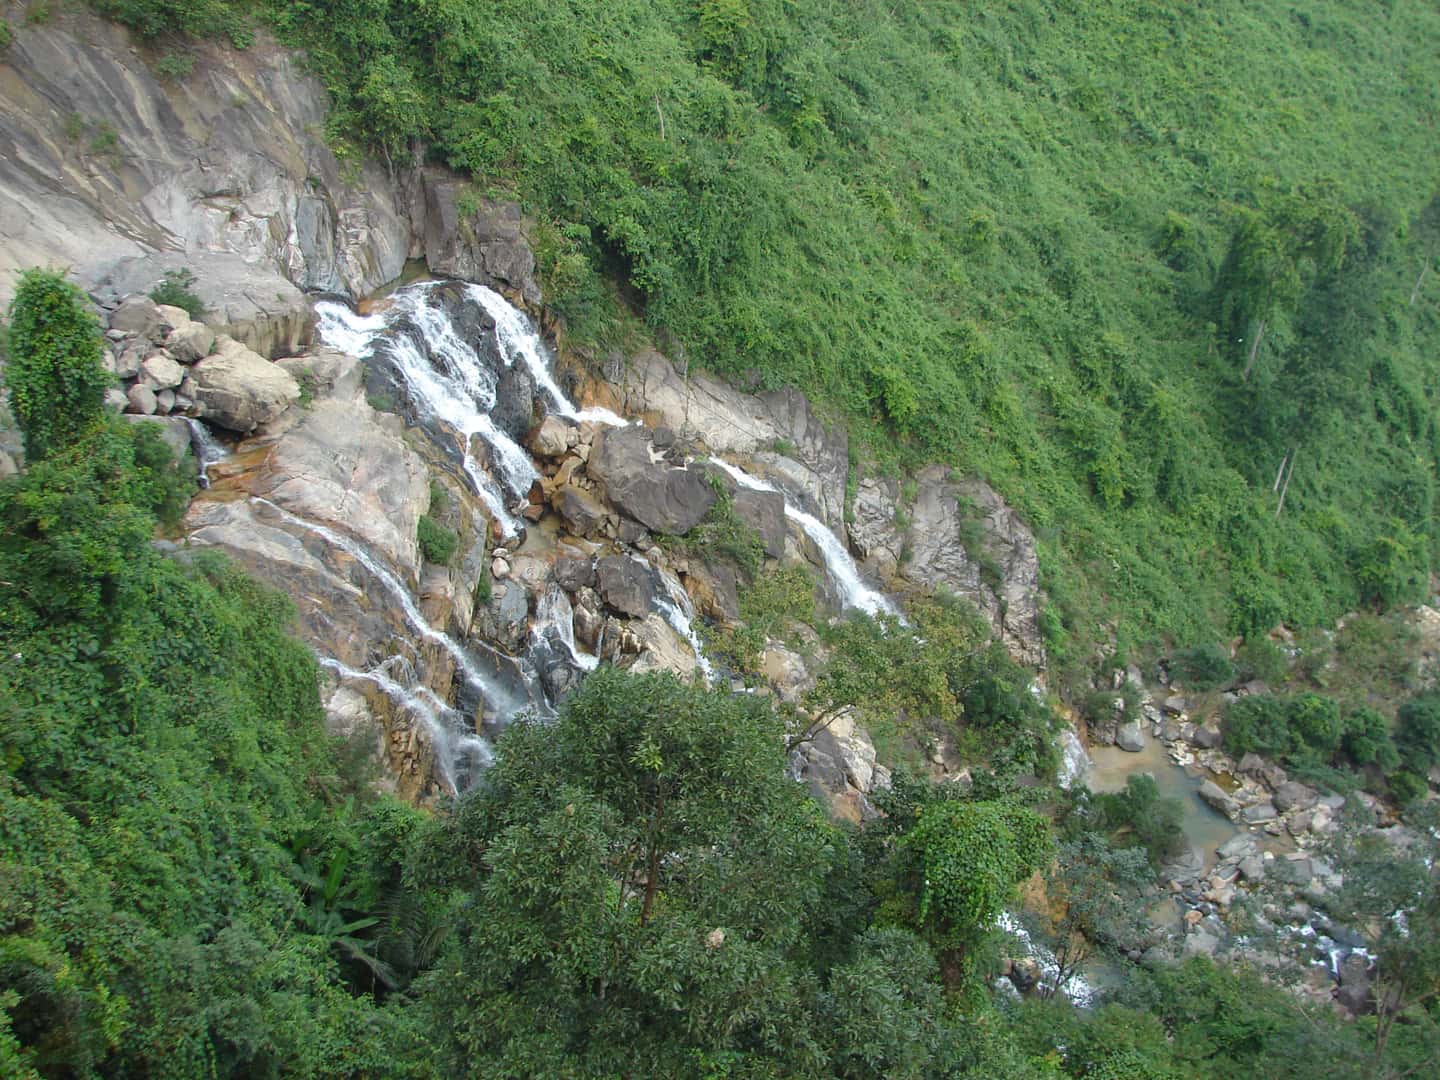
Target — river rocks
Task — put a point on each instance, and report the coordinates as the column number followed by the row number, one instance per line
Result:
column 1207, row 738
column 584, row 515
column 161, row 372
column 1293, row 795
column 551, row 438
column 1354, row 992
column 1214, row 795
column 1129, row 737
column 628, row 584
column 662, row 498
column 574, row 572
column 141, row 399
column 190, row 342
column 239, row 390
column 1259, row 813
column 476, row 239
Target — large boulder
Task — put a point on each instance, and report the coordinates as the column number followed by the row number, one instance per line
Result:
column 476, row 239
column 240, row 390
column 662, row 498
column 1293, row 795
column 1130, row 738
column 629, row 585
column 763, row 511
column 583, row 513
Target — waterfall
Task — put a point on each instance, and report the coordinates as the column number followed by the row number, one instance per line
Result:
column 1075, row 763
column 854, row 593
column 444, row 726
column 1077, row 988
column 206, row 448
column 680, row 614
column 555, row 621
column 490, row 689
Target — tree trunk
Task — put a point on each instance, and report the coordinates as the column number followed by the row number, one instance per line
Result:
column 1255, row 341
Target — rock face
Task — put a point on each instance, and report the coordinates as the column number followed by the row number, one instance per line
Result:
column 662, row 498
column 481, row 243
column 239, row 390
column 628, row 585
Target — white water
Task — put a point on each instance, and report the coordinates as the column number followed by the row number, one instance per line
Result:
column 207, row 450
column 495, row 695
column 442, row 723
column 853, row 591
column 555, row 619
column 461, row 396
column 1077, row 988
column 1075, row 763
column 680, row 614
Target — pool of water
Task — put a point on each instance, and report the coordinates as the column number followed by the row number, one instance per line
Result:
column 1204, row 826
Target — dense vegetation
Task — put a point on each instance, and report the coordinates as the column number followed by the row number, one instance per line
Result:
column 1123, row 260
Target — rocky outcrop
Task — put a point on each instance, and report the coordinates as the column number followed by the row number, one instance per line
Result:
column 476, row 239
column 239, row 390
column 658, row 495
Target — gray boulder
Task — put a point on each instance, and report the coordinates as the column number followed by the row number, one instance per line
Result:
column 1129, row 737
column 583, row 513
column 763, row 511
column 190, row 342
column 1259, row 813
column 662, row 498
column 574, row 573
column 628, row 585
column 1214, row 795
column 160, row 372
column 239, row 390
column 141, row 400
column 1205, row 737
column 1293, row 795
column 139, row 315
column 484, row 243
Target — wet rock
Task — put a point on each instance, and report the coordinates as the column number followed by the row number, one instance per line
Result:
column 573, row 572
column 239, row 390
column 660, row 648
column 1129, row 737
column 662, row 498
column 551, row 438
column 628, row 585
column 584, row 514
column 1214, row 795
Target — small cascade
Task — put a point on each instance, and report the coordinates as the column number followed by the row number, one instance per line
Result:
column 853, row 591
column 458, row 753
column 206, row 448
column 555, row 622
column 1075, row 763
column 495, row 694
column 680, row 614
column 1077, row 988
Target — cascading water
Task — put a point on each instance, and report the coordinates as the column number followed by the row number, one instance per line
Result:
column 853, row 591
column 555, row 622
column 680, row 614
column 496, row 695
column 1076, row 987
column 457, row 751
column 205, row 447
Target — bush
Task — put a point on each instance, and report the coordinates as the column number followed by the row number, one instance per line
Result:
column 1418, row 730
column 1366, row 740
column 1314, row 722
column 1257, row 725
column 1205, row 667
column 176, row 290
column 437, row 543
column 1406, row 786
column 57, row 384
column 1140, row 817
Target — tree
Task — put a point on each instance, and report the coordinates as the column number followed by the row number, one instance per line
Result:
column 57, row 384
column 1418, row 731
column 1095, row 902
column 638, row 878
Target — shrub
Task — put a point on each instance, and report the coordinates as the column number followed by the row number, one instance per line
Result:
column 57, row 384
column 1407, row 786
column 1366, row 740
column 1314, row 722
column 6, row 35
column 1418, row 730
column 1140, row 817
column 1257, row 725
column 176, row 290
column 1204, row 667
column 437, row 543
column 174, row 65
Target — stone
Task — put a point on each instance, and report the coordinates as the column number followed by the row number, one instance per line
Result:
column 1129, row 737
column 499, row 569
column 573, row 572
column 1293, row 795
column 1251, row 764
column 190, row 342
column 1207, row 738
column 786, row 673
column 1252, row 868
column 715, row 590
column 478, row 240
column 1238, row 846
column 1298, row 824
column 116, row 399
column 583, row 513
column 139, row 315
column 240, row 390
column 1175, row 705
column 763, row 511
column 665, row 499
column 1201, row 943
column 1214, row 795
column 551, row 438
column 165, row 401
column 1259, row 813
column 628, row 585
column 141, row 400
column 127, row 361
column 175, row 431
column 159, row 372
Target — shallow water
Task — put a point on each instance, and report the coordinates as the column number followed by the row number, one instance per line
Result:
column 1204, row 826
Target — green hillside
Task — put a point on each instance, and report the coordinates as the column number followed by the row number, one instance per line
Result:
column 1034, row 240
